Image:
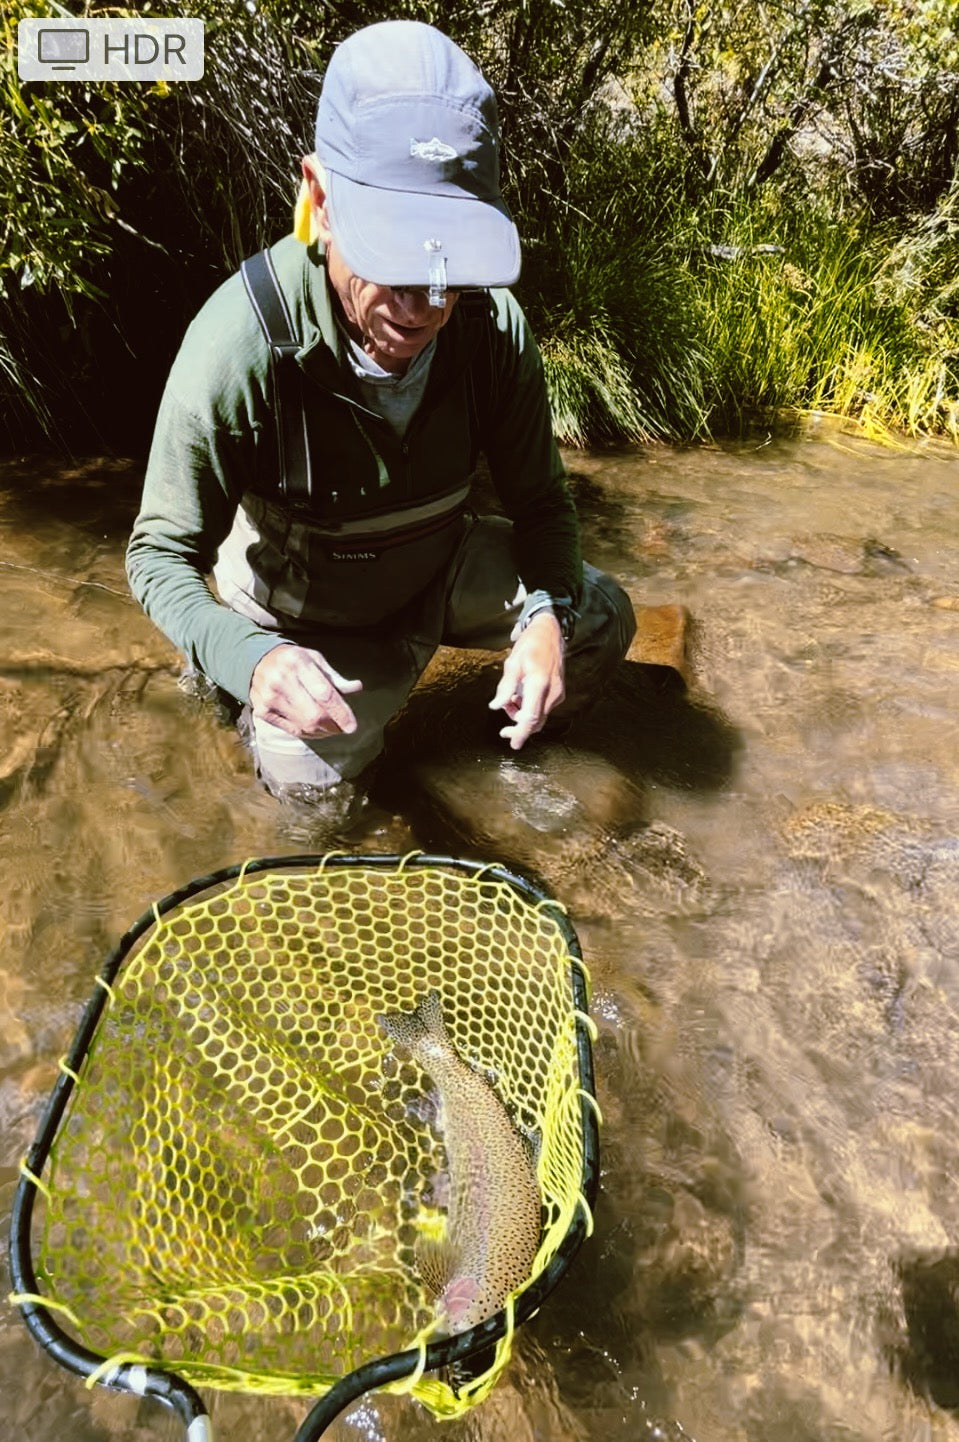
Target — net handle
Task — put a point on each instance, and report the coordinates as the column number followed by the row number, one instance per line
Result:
column 133, row 1378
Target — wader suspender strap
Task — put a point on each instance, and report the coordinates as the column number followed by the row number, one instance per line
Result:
column 478, row 303
column 271, row 310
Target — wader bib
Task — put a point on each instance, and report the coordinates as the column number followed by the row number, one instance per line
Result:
column 346, row 522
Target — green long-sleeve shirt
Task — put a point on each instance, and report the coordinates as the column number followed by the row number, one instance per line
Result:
column 215, row 443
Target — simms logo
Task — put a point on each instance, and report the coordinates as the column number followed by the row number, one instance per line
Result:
column 114, row 49
column 354, row 556
column 434, row 149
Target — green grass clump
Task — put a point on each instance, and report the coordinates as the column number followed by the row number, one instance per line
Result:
column 822, row 324
column 609, row 292
column 591, row 390
column 659, row 324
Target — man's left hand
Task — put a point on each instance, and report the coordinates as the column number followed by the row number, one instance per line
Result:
column 532, row 680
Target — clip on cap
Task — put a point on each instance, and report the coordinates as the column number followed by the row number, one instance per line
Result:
column 437, row 273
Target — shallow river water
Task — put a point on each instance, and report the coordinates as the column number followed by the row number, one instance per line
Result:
column 763, row 868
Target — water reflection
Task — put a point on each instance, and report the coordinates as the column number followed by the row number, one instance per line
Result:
column 763, row 869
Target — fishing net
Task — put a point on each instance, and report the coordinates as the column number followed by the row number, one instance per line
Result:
column 245, row 1163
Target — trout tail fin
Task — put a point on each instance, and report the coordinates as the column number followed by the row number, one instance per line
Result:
column 410, row 1027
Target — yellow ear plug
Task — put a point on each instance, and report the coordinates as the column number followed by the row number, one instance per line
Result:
column 304, row 225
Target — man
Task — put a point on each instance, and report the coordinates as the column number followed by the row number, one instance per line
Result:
column 323, row 479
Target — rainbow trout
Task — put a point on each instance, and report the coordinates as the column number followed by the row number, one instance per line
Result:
column 493, row 1224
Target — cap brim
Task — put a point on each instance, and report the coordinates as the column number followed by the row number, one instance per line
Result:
column 383, row 235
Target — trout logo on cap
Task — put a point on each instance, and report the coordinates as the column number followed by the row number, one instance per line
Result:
column 434, row 149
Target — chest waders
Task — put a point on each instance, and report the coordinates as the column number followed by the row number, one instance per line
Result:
column 334, row 551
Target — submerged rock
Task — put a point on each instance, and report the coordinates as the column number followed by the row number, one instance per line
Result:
column 827, row 829
column 866, row 844
column 843, row 555
column 685, row 1277
column 574, row 820
column 929, row 1354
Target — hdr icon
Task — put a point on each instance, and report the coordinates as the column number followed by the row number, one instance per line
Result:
column 110, row 49
column 138, row 49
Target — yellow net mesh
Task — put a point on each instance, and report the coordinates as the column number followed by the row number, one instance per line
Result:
column 245, row 1166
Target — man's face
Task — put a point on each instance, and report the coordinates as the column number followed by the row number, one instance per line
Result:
column 392, row 325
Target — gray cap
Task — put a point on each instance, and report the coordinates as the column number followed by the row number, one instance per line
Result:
column 408, row 133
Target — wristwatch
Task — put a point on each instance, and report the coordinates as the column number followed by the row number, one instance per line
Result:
column 562, row 608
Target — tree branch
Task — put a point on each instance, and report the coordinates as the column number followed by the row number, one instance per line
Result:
column 824, row 78
column 686, row 126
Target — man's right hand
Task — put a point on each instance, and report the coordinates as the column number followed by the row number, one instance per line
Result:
column 298, row 690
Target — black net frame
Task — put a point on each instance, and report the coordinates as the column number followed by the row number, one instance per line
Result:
column 462, row 1350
